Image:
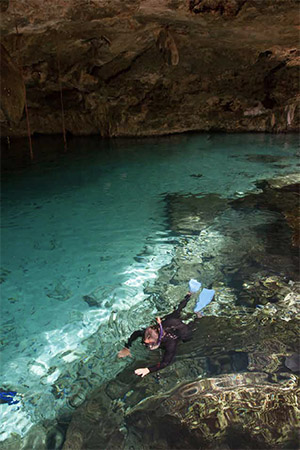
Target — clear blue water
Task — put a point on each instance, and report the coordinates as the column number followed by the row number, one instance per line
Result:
column 93, row 222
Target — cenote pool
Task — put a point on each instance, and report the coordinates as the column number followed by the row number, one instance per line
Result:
column 93, row 238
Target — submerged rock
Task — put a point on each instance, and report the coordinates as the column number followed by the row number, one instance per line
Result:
column 58, row 292
column 279, row 195
column 285, row 181
column 4, row 273
column 91, row 301
column 190, row 214
column 265, row 158
column 233, row 382
column 206, row 412
column 242, row 248
column 264, row 290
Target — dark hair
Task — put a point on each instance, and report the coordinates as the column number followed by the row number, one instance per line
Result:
column 147, row 330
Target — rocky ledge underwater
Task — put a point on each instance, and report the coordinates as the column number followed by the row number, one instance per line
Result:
column 235, row 385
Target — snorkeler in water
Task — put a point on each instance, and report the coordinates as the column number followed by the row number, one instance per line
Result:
column 169, row 331
column 166, row 334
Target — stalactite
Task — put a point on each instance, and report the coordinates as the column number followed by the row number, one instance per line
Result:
column 290, row 110
column 61, row 96
column 25, row 94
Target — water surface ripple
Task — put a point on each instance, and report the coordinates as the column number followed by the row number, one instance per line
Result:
column 83, row 237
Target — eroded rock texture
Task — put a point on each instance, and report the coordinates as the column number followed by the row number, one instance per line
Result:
column 151, row 67
column 243, row 395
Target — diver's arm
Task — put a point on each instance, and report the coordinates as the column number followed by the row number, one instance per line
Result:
column 167, row 358
column 133, row 337
column 125, row 351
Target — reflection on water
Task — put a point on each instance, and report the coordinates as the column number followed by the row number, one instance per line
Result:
column 96, row 241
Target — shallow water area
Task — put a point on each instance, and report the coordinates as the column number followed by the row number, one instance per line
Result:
column 84, row 234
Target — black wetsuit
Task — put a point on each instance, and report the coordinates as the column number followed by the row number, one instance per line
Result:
column 174, row 331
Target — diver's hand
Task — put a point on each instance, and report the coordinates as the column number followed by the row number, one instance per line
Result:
column 142, row 372
column 158, row 320
column 124, row 352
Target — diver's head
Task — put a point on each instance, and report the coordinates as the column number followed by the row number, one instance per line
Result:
column 151, row 337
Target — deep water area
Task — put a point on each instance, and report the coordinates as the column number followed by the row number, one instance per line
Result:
column 99, row 240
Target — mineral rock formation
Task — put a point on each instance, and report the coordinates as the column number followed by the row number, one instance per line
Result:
column 242, row 394
column 150, row 67
column 244, row 408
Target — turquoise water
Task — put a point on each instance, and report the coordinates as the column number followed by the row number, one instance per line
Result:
column 93, row 222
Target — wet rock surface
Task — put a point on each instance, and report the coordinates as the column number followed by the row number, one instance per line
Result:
column 260, row 238
column 151, row 67
column 243, row 416
column 236, row 384
column 190, row 214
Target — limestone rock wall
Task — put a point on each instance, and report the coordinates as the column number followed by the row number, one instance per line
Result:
column 151, row 67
